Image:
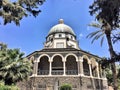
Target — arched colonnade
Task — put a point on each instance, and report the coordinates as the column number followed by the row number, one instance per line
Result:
column 69, row 64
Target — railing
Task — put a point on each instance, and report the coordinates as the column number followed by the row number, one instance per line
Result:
column 58, row 72
column 43, row 72
column 71, row 72
column 86, row 72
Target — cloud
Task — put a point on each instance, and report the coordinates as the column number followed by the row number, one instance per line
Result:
column 80, row 35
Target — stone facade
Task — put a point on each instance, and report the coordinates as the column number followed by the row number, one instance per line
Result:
column 54, row 83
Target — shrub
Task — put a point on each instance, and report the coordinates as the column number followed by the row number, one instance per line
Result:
column 66, row 87
column 7, row 87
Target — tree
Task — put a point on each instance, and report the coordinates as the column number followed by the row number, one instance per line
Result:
column 106, row 31
column 109, row 12
column 13, row 66
column 15, row 11
column 109, row 75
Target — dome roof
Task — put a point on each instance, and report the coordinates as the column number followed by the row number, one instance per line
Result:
column 61, row 28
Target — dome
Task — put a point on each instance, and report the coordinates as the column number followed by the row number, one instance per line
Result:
column 61, row 28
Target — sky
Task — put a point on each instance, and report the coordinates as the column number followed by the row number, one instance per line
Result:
column 32, row 32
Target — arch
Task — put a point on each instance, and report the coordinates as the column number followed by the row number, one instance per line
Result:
column 71, row 64
column 86, row 57
column 93, row 62
column 86, row 69
column 94, row 66
column 32, row 59
column 38, row 60
column 72, row 55
column 43, row 65
column 57, row 64
column 57, row 55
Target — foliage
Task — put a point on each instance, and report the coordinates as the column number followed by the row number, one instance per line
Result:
column 6, row 87
column 66, row 87
column 116, row 38
column 13, row 66
column 118, row 84
column 15, row 11
column 100, row 33
column 108, row 10
column 109, row 75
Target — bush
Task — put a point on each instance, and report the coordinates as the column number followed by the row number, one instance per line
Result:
column 66, row 87
column 6, row 87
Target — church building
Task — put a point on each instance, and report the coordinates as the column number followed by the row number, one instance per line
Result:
column 61, row 61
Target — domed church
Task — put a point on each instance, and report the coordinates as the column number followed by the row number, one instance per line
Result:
column 61, row 61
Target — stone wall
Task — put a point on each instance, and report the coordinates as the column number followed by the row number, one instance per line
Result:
column 53, row 83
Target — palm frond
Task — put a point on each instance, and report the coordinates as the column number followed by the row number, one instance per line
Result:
column 92, row 34
column 102, row 39
column 96, row 25
column 97, row 37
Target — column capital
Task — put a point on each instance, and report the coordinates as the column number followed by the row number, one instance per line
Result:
column 64, row 60
column 35, row 61
column 50, row 60
column 89, row 62
column 81, row 60
column 96, row 64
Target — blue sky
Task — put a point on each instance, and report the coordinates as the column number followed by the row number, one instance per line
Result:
column 31, row 34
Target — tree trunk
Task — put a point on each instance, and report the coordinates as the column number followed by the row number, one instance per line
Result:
column 112, row 54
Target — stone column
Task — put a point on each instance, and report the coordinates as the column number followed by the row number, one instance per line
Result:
column 35, row 70
column 81, row 67
column 101, row 71
column 50, row 67
column 90, row 68
column 98, row 70
column 64, row 67
column 104, row 74
column 78, row 63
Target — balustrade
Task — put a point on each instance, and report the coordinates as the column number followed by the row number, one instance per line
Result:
column 57, row 72
column 43, row 72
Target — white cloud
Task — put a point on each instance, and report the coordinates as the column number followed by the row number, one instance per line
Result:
column 80, row 35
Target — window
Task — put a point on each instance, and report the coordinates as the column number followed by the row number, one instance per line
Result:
column 60, row 35
column 60, row 45
column 67, row 39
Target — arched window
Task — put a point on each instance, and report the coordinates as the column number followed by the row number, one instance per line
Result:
column 57, row 65
column 86, row 67
column 71, row 65
column 43, row 66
